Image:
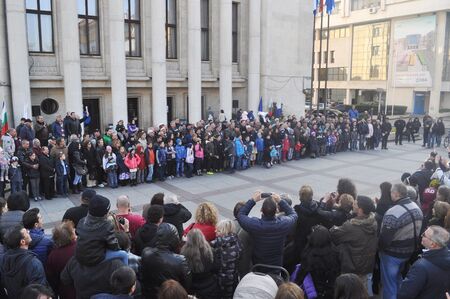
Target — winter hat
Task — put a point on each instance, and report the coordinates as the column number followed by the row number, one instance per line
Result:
column 405, row 176
column 99, row 206
column 366, row 204
column 88, row 194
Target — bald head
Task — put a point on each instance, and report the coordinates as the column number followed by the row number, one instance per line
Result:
column 123, row 204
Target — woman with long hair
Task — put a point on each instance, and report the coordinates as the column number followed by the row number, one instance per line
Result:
column 206, row 218
column 200, row 258
column 349, row 286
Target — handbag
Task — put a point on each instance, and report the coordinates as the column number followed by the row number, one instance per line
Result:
column 81, row 170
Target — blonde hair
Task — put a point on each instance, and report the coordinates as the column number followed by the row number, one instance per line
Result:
column 306, row 193
column 289, row 290
column 440, row 209
column 206, row 213
column 346, row 202
column 225, row 228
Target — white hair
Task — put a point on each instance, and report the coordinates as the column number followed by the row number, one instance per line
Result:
column 170, row 198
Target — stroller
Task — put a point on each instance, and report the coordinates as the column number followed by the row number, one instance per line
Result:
column 261, row 285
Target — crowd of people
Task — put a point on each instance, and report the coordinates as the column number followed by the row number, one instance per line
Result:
column 48, row 160
column 345, row 245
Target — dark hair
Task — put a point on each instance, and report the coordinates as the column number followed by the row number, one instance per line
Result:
column 122, row 280
column 385, row 188
column 172, row 289
column 13, row 236
column 237, row 208
column 123, row 239
column 349, row 286
column 30, row 218
column 34, row 291
column 63, row 233
column 18, row 201
column 269, row 207
column 157, row 199
column 155, row 213
column 428, row 165
column 346, row 186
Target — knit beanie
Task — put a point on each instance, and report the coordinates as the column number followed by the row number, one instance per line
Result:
column 88, row 194
column 99, row 206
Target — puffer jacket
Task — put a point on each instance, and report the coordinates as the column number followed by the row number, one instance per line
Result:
column 161, row 263
column 132, row 162
column 40, row 244
column 176, row 214
column 357, row 241
column 181, row 152
column 239, row 147
column 429, row 277
column 95, row 235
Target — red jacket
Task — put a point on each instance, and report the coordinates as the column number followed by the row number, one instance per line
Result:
column 135, row 220
column 208, row 230
column 286, row 145
column 140, row 153
column 56, row 262
column 132, row 162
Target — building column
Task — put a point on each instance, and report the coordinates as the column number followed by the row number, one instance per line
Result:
column 159, row 81
column 73, row 96
column 435, row 94
column 5, row 84
column 226, row 51
column 194, row 61
column 254, row 54
column 118, row 71
column 18, row 59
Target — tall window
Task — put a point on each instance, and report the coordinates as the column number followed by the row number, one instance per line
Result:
column 205, row 29
column 171, row 29
column 235, row 14
column 131, row 12
column 88, row 27
column 39, row 26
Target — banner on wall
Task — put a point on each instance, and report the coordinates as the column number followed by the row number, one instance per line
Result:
column 414, row 47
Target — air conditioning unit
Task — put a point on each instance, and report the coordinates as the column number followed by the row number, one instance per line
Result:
column 373, row 10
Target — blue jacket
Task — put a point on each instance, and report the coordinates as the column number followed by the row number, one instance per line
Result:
column 161, row 155
column 15, row 174
column 429, row 277
column 269, row 233
column 59, row 168
column 40, row 244
column 239, row 147
column 260, row 144
column 57, row 129
column 353, row 114
column 26, row 133
column 181, row 152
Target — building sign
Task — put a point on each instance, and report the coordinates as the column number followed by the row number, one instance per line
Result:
column 414, row 46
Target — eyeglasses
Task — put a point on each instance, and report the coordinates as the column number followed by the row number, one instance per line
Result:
column 425, row 236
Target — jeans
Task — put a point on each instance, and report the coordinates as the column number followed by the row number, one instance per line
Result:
column 180, row 167
column 438, row 140
column 162, row 171
column 259, row 157
column 112, row 179
column 362, row 142
column 189, row 169
column 61, row 184
column 238, row 163
column 140, row 176
column 117, row 254
column 77, row 179
column 16, row 186
column 391, row 268
column 150, row 173
column 34, row 182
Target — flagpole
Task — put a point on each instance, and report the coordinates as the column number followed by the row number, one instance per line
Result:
column 313, row 58
column 326, row 63
column 320, row 57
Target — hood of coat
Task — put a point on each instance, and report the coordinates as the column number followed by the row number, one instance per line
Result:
column 15, row 260
column 36, row 234
column 93, row 223
column 439, row 257
column 171, row 209
column 307, row 209
column 367, row 224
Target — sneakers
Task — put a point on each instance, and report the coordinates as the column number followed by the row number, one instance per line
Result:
column 100, row 185
column 209, row 172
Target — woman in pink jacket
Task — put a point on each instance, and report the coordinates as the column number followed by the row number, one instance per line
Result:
column 132, row 162
column 199, row 155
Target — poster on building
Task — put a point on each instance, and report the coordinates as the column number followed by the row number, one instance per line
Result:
column 414, row 46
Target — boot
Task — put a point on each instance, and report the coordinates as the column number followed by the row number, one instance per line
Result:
column 80, row 187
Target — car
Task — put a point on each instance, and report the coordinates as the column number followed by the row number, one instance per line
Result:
column 330, row 112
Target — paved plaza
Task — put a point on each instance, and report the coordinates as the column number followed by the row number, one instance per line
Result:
column 367, row 169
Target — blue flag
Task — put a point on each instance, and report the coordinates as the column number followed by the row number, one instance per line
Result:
column 330, row 6
column 260, row 106
column 316, row 5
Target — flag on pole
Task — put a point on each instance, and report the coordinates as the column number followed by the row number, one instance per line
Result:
column 316, row 5
column 330, row 6
column 4, row 120
column 321, row 5
column 260, row 106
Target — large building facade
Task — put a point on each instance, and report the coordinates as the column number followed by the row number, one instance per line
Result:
column 155, row 60
column 396, row 51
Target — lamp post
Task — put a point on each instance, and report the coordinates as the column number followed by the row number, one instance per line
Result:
column 379, row 90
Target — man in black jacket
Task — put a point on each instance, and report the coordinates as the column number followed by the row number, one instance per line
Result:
column 75, row 214
column 162, row 263
column 429, row 278
column 41, row 130
column 146, row 235
column 19, row 267
column 422, row 178
column 47, row 170
column 399, row 125
column 386, row 128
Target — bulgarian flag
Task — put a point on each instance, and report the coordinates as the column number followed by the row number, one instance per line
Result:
column 4, row 120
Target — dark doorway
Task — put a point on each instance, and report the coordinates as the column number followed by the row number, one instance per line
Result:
column 92, row 106
column 169, row 109
column 133, row 110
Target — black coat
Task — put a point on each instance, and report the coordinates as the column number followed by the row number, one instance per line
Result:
column 204, row 285
column 75, row 214
column 400, row 125
column 46, row 166
column 331, row 217
column 176, row 214
column 30, row 171
column 145, row 237
column 307, row 218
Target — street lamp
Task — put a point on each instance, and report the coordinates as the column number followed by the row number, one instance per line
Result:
column 379, row 90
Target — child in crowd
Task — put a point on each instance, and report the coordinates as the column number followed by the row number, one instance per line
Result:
column 189, row 160
column 15, row 175
column 62, row 173
column 274, row 158
column 161, row 161
column 124, row 172
column 141, row 165
column 180, row 157
column 199, row 155
column 171, row 160
column 259, row 149
column 132, row 162
column 150, row 161
column 298, row 150
column 3, row 166
column 285, row 148
column 253, row 153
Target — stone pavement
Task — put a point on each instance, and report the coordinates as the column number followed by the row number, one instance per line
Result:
column 367, row 169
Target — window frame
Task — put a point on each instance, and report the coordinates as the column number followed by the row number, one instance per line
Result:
column 174, row 27
column 86, row 17
column 128, row 21
column 205, row 56
column 40, row 12
column 235, row 33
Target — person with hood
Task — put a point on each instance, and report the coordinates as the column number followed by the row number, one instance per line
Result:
column 18, row 204
column 307, row 218
column 19, row 266
column 357, row 240
column 146, row 234
column 175, row 213
column 239, row 147
column 41, row 244
column 161, row 263
column 428, row 277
